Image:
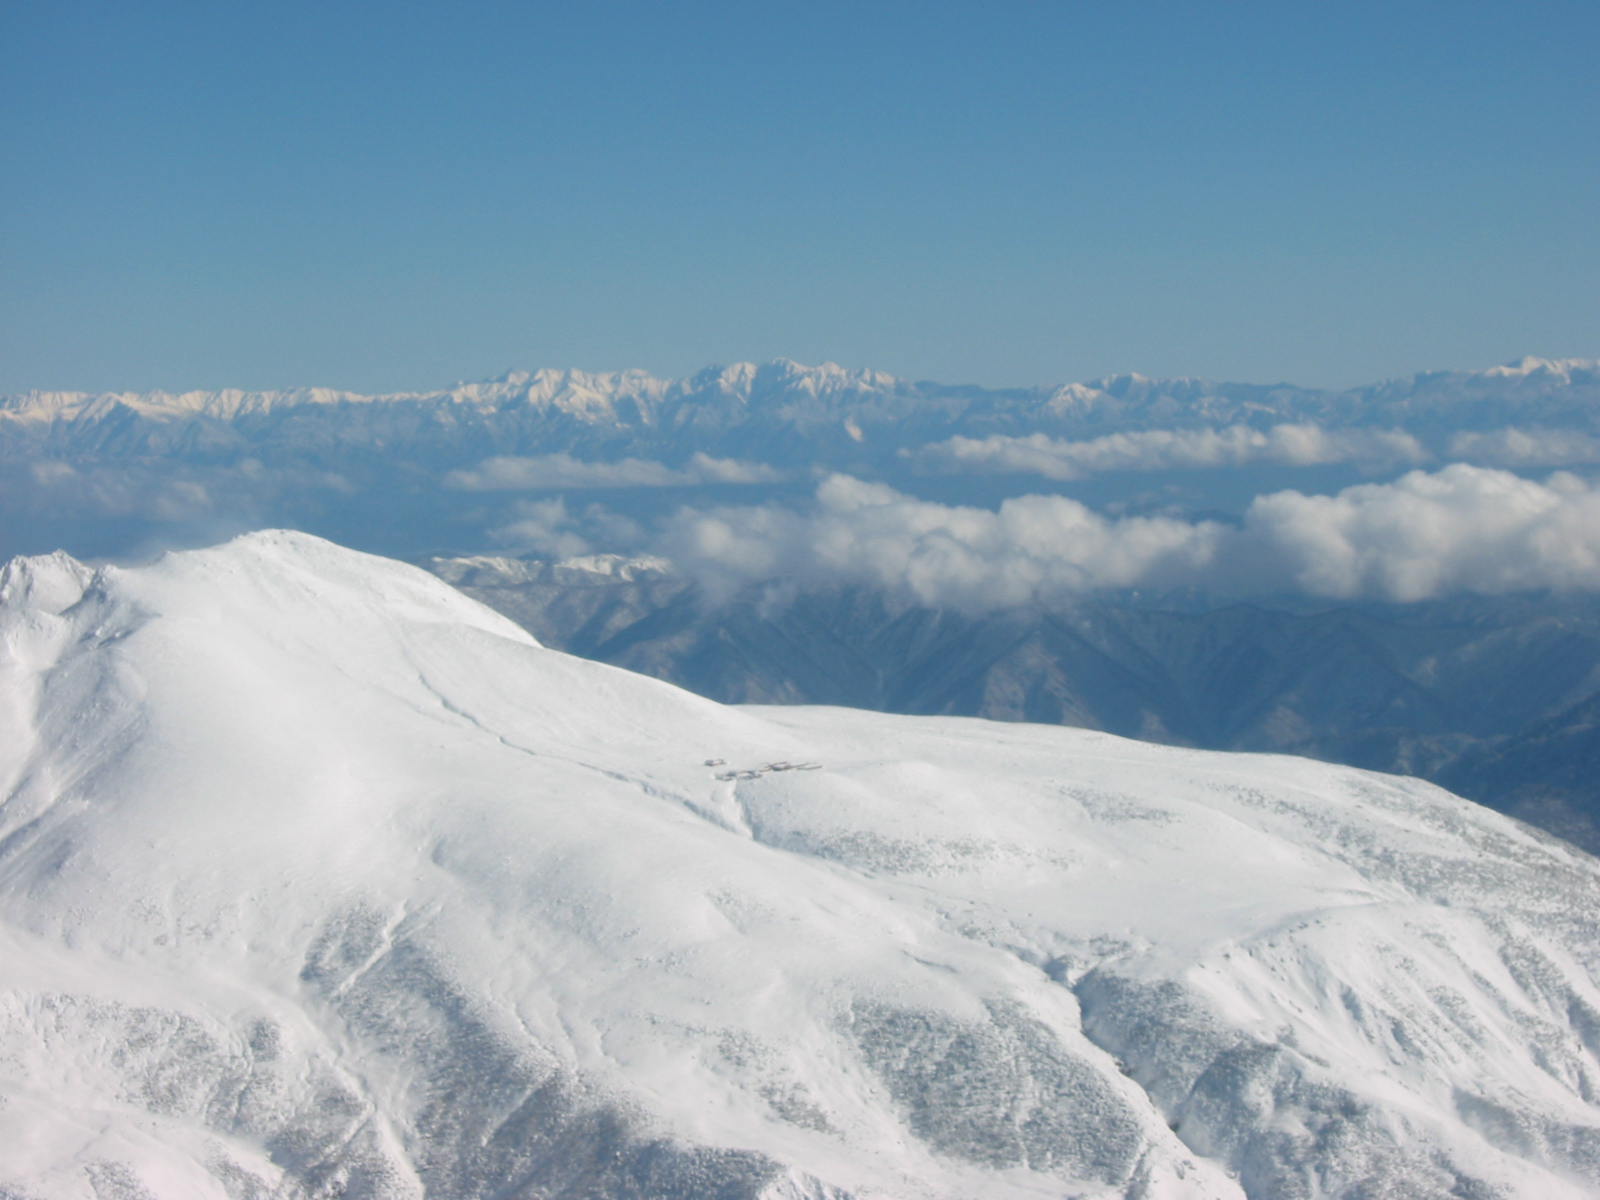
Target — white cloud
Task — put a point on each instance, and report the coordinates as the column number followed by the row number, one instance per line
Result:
column 164, row 492
column 1167, row 449
column 1511, row 447
column 562, row 471
column 1462, row 528
column 936, row 554
column 118, row 491
column 549, row 529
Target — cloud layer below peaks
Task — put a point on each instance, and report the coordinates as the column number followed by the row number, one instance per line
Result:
column 1459, row 529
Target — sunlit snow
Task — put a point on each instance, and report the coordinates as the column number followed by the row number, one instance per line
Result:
column 318, row 878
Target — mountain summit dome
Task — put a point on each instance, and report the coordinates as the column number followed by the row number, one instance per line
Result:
column 318, row 878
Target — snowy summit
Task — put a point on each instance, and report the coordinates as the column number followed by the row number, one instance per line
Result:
column 317, row 878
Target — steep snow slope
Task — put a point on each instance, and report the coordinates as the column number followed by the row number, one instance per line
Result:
column 317, row 878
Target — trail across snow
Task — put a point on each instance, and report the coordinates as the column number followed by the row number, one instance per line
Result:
column 317, row 878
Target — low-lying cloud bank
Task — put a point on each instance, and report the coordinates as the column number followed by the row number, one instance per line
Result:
column 1299, row 445
column 1459, row 529
column 554, row 529
column 572, row 474
column 936, row 554
column 1286, row 445
column 160, row 492
column 1512, row 447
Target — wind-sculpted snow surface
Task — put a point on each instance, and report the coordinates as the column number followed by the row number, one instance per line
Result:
column 318, row 879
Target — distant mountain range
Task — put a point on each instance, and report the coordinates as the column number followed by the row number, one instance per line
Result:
column 840, row 417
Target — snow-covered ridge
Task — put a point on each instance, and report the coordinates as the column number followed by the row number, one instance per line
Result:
column 316, row 876
column 580, row 391
column 1528, row 365
column 776, row 413
column 574, row 390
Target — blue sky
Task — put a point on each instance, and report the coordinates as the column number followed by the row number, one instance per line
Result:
column 402, row 195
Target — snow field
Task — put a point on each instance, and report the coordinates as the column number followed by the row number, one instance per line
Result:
column 315, row 875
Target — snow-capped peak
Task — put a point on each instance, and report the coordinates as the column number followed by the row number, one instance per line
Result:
column 46, row 583
column 1529, row 365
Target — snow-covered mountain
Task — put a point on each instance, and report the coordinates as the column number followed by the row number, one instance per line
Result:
column 1494, row 697
column 317, row 878
column 841, row 416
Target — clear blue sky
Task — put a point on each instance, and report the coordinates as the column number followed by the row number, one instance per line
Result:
column 378, row 196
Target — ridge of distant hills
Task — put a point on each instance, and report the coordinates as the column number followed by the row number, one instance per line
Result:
column 755, row 411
